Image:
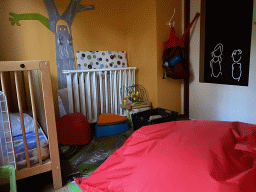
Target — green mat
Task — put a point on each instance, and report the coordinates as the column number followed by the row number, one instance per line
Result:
column 99, row 149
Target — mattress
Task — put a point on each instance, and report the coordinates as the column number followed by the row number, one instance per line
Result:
column 32, row 148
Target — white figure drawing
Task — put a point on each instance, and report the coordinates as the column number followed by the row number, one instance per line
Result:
column 236, row 67
column 215, row 63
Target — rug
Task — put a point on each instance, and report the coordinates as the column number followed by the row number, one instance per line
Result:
column 91, row 156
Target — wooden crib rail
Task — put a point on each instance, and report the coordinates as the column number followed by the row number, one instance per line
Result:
column 40, row 92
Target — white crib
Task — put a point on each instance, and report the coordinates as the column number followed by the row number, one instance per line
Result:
column 95, row 91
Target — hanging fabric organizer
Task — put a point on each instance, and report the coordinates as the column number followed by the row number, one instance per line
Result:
column 174, row 64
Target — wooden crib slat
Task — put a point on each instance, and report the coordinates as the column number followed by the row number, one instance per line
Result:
column 51, row 122
column 21, row 118
column 15, row 65
column 34, row 116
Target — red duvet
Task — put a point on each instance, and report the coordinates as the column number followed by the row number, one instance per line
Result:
column 181, row 156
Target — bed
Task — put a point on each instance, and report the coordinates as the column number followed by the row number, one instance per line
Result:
column 29, row 119
column 31, row 140
column 181, row 156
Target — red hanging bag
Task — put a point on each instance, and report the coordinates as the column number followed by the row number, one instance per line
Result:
column 173, row 62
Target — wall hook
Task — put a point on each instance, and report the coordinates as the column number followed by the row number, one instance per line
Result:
column 171, row 24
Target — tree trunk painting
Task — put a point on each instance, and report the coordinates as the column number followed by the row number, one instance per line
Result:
column 63, row 34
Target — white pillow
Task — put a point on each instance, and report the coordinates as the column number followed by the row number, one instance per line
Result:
column 16, row 125
column 63, row 101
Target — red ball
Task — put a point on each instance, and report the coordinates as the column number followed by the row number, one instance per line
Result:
column 73, row 129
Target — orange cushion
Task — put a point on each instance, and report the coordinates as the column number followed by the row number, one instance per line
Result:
column 109, row 118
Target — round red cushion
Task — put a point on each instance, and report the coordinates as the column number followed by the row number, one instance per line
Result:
column 73, row 129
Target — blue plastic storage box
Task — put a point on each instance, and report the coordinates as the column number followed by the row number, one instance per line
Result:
column 107, row 130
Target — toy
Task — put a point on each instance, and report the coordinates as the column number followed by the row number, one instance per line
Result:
column 134, row 97
column 73, row 129
column 134, row 93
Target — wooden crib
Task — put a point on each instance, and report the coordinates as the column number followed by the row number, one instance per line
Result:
column 27, row 86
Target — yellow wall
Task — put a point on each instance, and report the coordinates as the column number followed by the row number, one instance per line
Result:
column 141, row 21
column 169, row 90
column 137, row 27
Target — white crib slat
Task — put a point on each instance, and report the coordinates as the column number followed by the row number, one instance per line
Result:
column 76, row 93
column 34, row 117
column 88, row 96
column 106, row 91
column 70, row 93
column 121, row 92
column 129, row 78
column 101, row 94
column 111, row 92
column 115, row 92
column 21, row 117
column 133, row 77
column 82, row 94
column 125, row 79
column 95, row 99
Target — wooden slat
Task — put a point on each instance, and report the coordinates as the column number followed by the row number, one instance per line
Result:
column 21, row 118
column 16, row 65
column 51, row 124
column 33, row 170
column 34, row 116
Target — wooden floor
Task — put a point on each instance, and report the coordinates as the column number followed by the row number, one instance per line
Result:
column 40, row 183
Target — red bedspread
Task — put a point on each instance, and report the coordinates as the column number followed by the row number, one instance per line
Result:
column 180, row 156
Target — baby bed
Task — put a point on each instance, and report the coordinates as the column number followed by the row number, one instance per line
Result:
column 27, row 86
column 95, row 91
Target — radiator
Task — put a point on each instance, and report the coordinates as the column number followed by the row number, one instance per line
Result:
column 95, row 91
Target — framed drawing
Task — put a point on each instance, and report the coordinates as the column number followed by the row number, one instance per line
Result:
column 225, row 41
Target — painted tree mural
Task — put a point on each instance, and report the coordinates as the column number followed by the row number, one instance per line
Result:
column 63, row 34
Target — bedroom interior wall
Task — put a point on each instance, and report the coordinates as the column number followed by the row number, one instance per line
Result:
column 169, row 90
column 220, row 102
column 141, row 38
column 130, row 26
column 101, row 29
column 147, row 30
